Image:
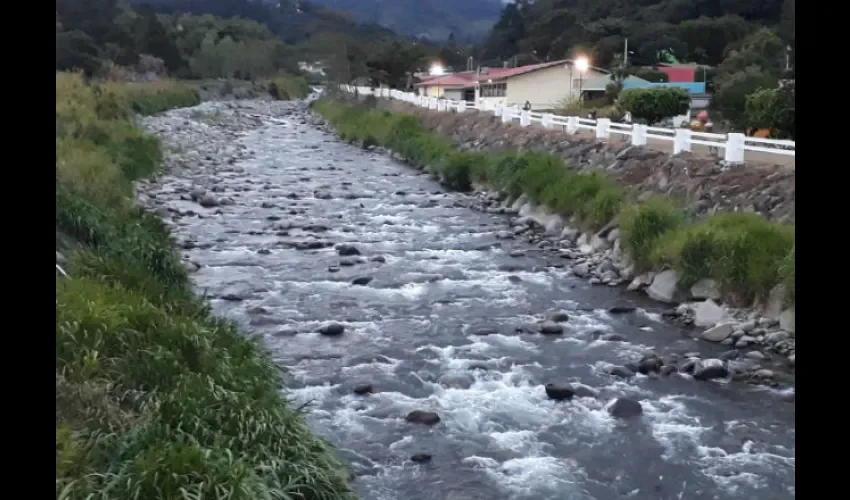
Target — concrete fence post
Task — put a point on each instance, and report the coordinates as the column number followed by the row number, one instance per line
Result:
column 506, row 114
column 639, row 134
column 547, row 120
column 735, row 148
column 572, row 124
column 524, row 118
column 603, row 128
column 682, row 141
column 461, row 106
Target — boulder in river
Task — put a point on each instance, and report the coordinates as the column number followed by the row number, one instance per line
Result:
column 559, row 392
column 332, row 330
column 549, row 327
column 361, row 280
column 422, row 417
column 362, row 389
column 707, row 369
column 650, row 364
column 625, row 408
column 421, row 458
column 346, row 250
column 558, row 316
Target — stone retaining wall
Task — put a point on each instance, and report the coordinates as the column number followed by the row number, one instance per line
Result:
column 704, row 185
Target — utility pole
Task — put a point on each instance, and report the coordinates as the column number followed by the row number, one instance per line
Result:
column 626, row 53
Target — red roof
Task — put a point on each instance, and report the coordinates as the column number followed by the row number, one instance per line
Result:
column 470, row 78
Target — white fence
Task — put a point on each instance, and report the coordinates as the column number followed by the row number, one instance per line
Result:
column 733, row 145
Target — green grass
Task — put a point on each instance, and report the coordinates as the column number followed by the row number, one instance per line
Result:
column 746, row 254
column 156, row 397
column 285, row 88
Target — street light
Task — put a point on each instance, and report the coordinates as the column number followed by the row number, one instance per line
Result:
column 436, row 69
column 582, row 64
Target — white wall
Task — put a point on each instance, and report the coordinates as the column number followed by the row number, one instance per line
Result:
column 546, row 88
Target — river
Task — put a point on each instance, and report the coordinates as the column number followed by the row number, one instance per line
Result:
column 443, row 326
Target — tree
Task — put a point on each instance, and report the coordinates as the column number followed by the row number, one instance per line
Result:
column 730, row 93
column 391, row 63
column 654, row 104
column 773, row 109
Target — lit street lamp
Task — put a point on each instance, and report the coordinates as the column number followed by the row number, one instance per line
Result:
column 582, row 64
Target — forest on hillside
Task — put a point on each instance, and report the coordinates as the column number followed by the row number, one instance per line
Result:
column 698, row 31
column 196, row 38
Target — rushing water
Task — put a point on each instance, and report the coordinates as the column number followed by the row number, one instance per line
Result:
column 414, row 333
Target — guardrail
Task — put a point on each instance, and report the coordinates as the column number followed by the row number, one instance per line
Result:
column 733, row 145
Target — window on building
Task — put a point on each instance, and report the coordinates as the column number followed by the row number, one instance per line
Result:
column 494, row 90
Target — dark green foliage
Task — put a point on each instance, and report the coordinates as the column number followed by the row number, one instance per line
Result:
column 285, row 88
column 773, row 109
column 654, row 104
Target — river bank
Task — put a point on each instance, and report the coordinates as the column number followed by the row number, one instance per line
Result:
column 155, row 396
column 647, row 244
column 431, row 350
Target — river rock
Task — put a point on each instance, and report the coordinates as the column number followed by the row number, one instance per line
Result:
column 208, row 201
column 625, row 408
column 707, row 369
column 558, row 316
column 362, row 389
column 718, row 333
column 550, row 328
column 559, row 392
column 362, row 280
column 332, row 330
column 345, row 250
column 708, row 314
column 621, row 371
column 421, row 458
column 665, row 287
column 422, row 417
column 650, row 364
column 705, row 289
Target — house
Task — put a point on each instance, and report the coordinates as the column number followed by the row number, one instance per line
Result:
column 595, row 88
column 544, row 86
column 682, row 73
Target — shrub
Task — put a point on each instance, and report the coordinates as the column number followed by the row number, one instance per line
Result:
column 155, row 397
column 744, row 253
column 655, row 103
column 773, row 109
column 285, row 88
column 642, row 226
column 456, row 171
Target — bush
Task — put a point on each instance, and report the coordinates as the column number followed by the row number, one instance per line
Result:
column 642, row 226
column 155, row 397
column 744, row 253
column 655, row 103
column 285, row 88
column 457, row 169
column 773, row 109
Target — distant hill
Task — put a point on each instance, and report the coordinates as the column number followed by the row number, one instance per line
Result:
column 293, row 20
column 431, row 19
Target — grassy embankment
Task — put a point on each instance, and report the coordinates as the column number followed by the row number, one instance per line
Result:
column 284, row 88
column 155, row 397
column 744, row 253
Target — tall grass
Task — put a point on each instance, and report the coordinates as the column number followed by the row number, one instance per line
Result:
column 155, row 397
column 285, row 88
column 746, row 254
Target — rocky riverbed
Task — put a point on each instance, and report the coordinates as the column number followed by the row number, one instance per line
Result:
column 449, row 346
